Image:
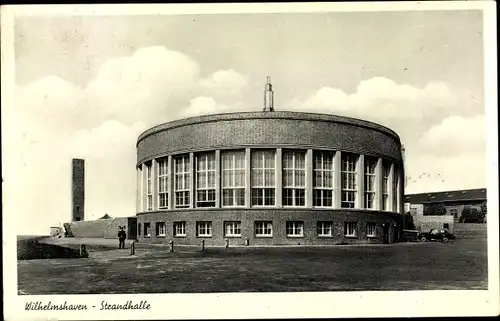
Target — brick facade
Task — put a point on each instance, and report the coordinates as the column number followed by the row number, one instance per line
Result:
column 279, row 217
column 279, row 131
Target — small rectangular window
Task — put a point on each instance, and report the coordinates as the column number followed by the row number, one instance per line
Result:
column 147, row 229
column 232, row 229
column 371, row 230
column 160, row 229
column 263, row 229
column 139, row 229
column 350, row 229
column 179, row 229
column 325, row 228
column 204, row 229
column 295, row 229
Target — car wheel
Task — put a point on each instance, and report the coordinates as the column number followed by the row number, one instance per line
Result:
column 445, row 239
column 423, row 239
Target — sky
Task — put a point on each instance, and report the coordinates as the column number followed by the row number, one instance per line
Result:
column 87, row 86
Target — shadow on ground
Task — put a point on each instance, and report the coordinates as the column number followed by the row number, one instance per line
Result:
column 34, row 247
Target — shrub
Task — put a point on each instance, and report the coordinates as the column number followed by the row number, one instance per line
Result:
column 471, row 215
column 434, row 209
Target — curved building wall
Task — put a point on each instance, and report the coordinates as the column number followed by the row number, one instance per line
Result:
column 262, row 129
column 269, row 178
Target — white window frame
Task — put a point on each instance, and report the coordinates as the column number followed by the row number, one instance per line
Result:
column 295, row 226
column 232, row 229
column 149, row 186
column 205, row 164
column 179, row 229
column 158, row 229
column 348, row 180
column 147, row 227
column 182, row 174
column 206, row 227
column 370, row 177
column 374, row 231
column 231, row 174
column 386, row 168
column 348, row 226
column 319, row 187
column 323, row 226
column 163, row 178
column 263, row 188
column 265, row 226
column 294, row 187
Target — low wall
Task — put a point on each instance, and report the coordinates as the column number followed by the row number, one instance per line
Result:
column 34, row 248
column 101, row 228
column 89, row 229
column 111, row 230
column 470, row 230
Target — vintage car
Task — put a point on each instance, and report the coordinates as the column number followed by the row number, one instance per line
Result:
column 435, row 235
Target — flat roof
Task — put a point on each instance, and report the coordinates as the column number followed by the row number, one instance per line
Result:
column 478, row 194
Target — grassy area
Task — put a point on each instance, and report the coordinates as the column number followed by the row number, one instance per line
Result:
column 420, row 266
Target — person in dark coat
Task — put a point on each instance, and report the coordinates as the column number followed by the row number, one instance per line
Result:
column 122, row 235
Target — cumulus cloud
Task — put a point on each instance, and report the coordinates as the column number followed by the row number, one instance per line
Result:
column 430, row 173
column 54, row 121
column 450, row 155
column 441, row 136
column 143, row 86
column 402, row 107
column 203, row 106
column 455, row 136
column 224, row 83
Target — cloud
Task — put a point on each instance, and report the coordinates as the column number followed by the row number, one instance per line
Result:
column 439, row 147
column 431, row 173
column 143, row 86
column 450, row 155
column 402, row 107
column 54, row 121
column 203, row 106
column 455, row 136
column 224, row 83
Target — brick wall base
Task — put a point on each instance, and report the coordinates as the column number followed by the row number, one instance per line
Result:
column 386, row 223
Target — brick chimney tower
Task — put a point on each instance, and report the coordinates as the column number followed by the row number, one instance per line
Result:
column 78, row 190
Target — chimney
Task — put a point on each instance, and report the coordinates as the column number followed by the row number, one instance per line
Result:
column 268, row 96
column 78, row 190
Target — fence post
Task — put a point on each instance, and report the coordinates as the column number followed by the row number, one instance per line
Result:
column 83, row 250
column 132, row 248
column 202, row 245
column 171, row 243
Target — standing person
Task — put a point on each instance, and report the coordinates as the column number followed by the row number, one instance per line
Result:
column 121, row 237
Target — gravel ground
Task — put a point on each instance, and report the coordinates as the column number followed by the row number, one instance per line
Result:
column 461, row 264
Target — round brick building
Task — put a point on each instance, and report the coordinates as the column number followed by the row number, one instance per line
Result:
column 269, row 178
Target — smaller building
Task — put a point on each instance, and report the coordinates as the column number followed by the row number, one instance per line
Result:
column 452, row 203
column 427, row 222
column 107, row 227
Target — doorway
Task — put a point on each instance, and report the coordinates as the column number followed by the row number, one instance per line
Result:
column 132, row 228
column 385, row 229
